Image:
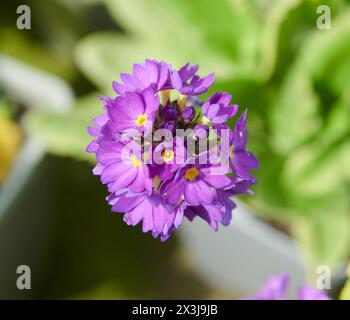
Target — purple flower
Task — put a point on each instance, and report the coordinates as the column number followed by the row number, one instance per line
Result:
column 123, row 167
column 188, row 113
column 195, row 183
column 221, row 208
column 188, row 83
column 161, row 76
column 134, row 111
column 151, row 211
column 170, row 113
column 157, row 181
column 101, row 131
column 217, row 108
column 201, row 131
column 169, row 125
column 168, row 157
column 309, row 293
column 240, row 159
column 276, row 288
column 151, row 74
column 96, row 132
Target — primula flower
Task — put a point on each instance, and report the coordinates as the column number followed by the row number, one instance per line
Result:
column 151, row 211
column 195, row 184
column 134, row 111
column 123, row 167
column 151, row 74
column 97, row 133
column 241, row 160
column 155, row 180
column 217, row 108
column 221, row 208
column 168, row 156
column 187, row 82
column 276, row 288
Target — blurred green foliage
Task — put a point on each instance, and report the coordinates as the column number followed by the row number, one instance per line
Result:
column 60, row 133
column 269, row 54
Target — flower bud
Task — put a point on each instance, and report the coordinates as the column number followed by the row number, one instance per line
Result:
column 169, row 113
column 188, row 113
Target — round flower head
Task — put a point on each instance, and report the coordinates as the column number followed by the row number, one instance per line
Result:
column 151, row 142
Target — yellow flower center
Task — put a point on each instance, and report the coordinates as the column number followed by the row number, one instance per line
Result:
column 191, row 174
column 167, row 155
column 136, row 162
column 231, row 151
column 141, row 119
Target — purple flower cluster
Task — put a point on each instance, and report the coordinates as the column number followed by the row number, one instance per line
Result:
column 158, row 179
column 276, row 288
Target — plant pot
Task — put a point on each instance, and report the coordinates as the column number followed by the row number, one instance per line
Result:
column 241, row 257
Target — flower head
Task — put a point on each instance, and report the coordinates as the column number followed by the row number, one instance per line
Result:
column 154, row 151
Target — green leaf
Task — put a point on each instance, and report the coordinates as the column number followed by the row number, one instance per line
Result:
column 103, row 56
column 324, row 239
column 315, row 170
column 302, row 101
column 65, row 135
column 232, row 39
column 294, row 116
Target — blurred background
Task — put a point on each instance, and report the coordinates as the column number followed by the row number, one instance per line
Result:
column 293, row 77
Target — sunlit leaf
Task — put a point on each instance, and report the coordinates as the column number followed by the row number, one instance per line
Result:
column 297, row 112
